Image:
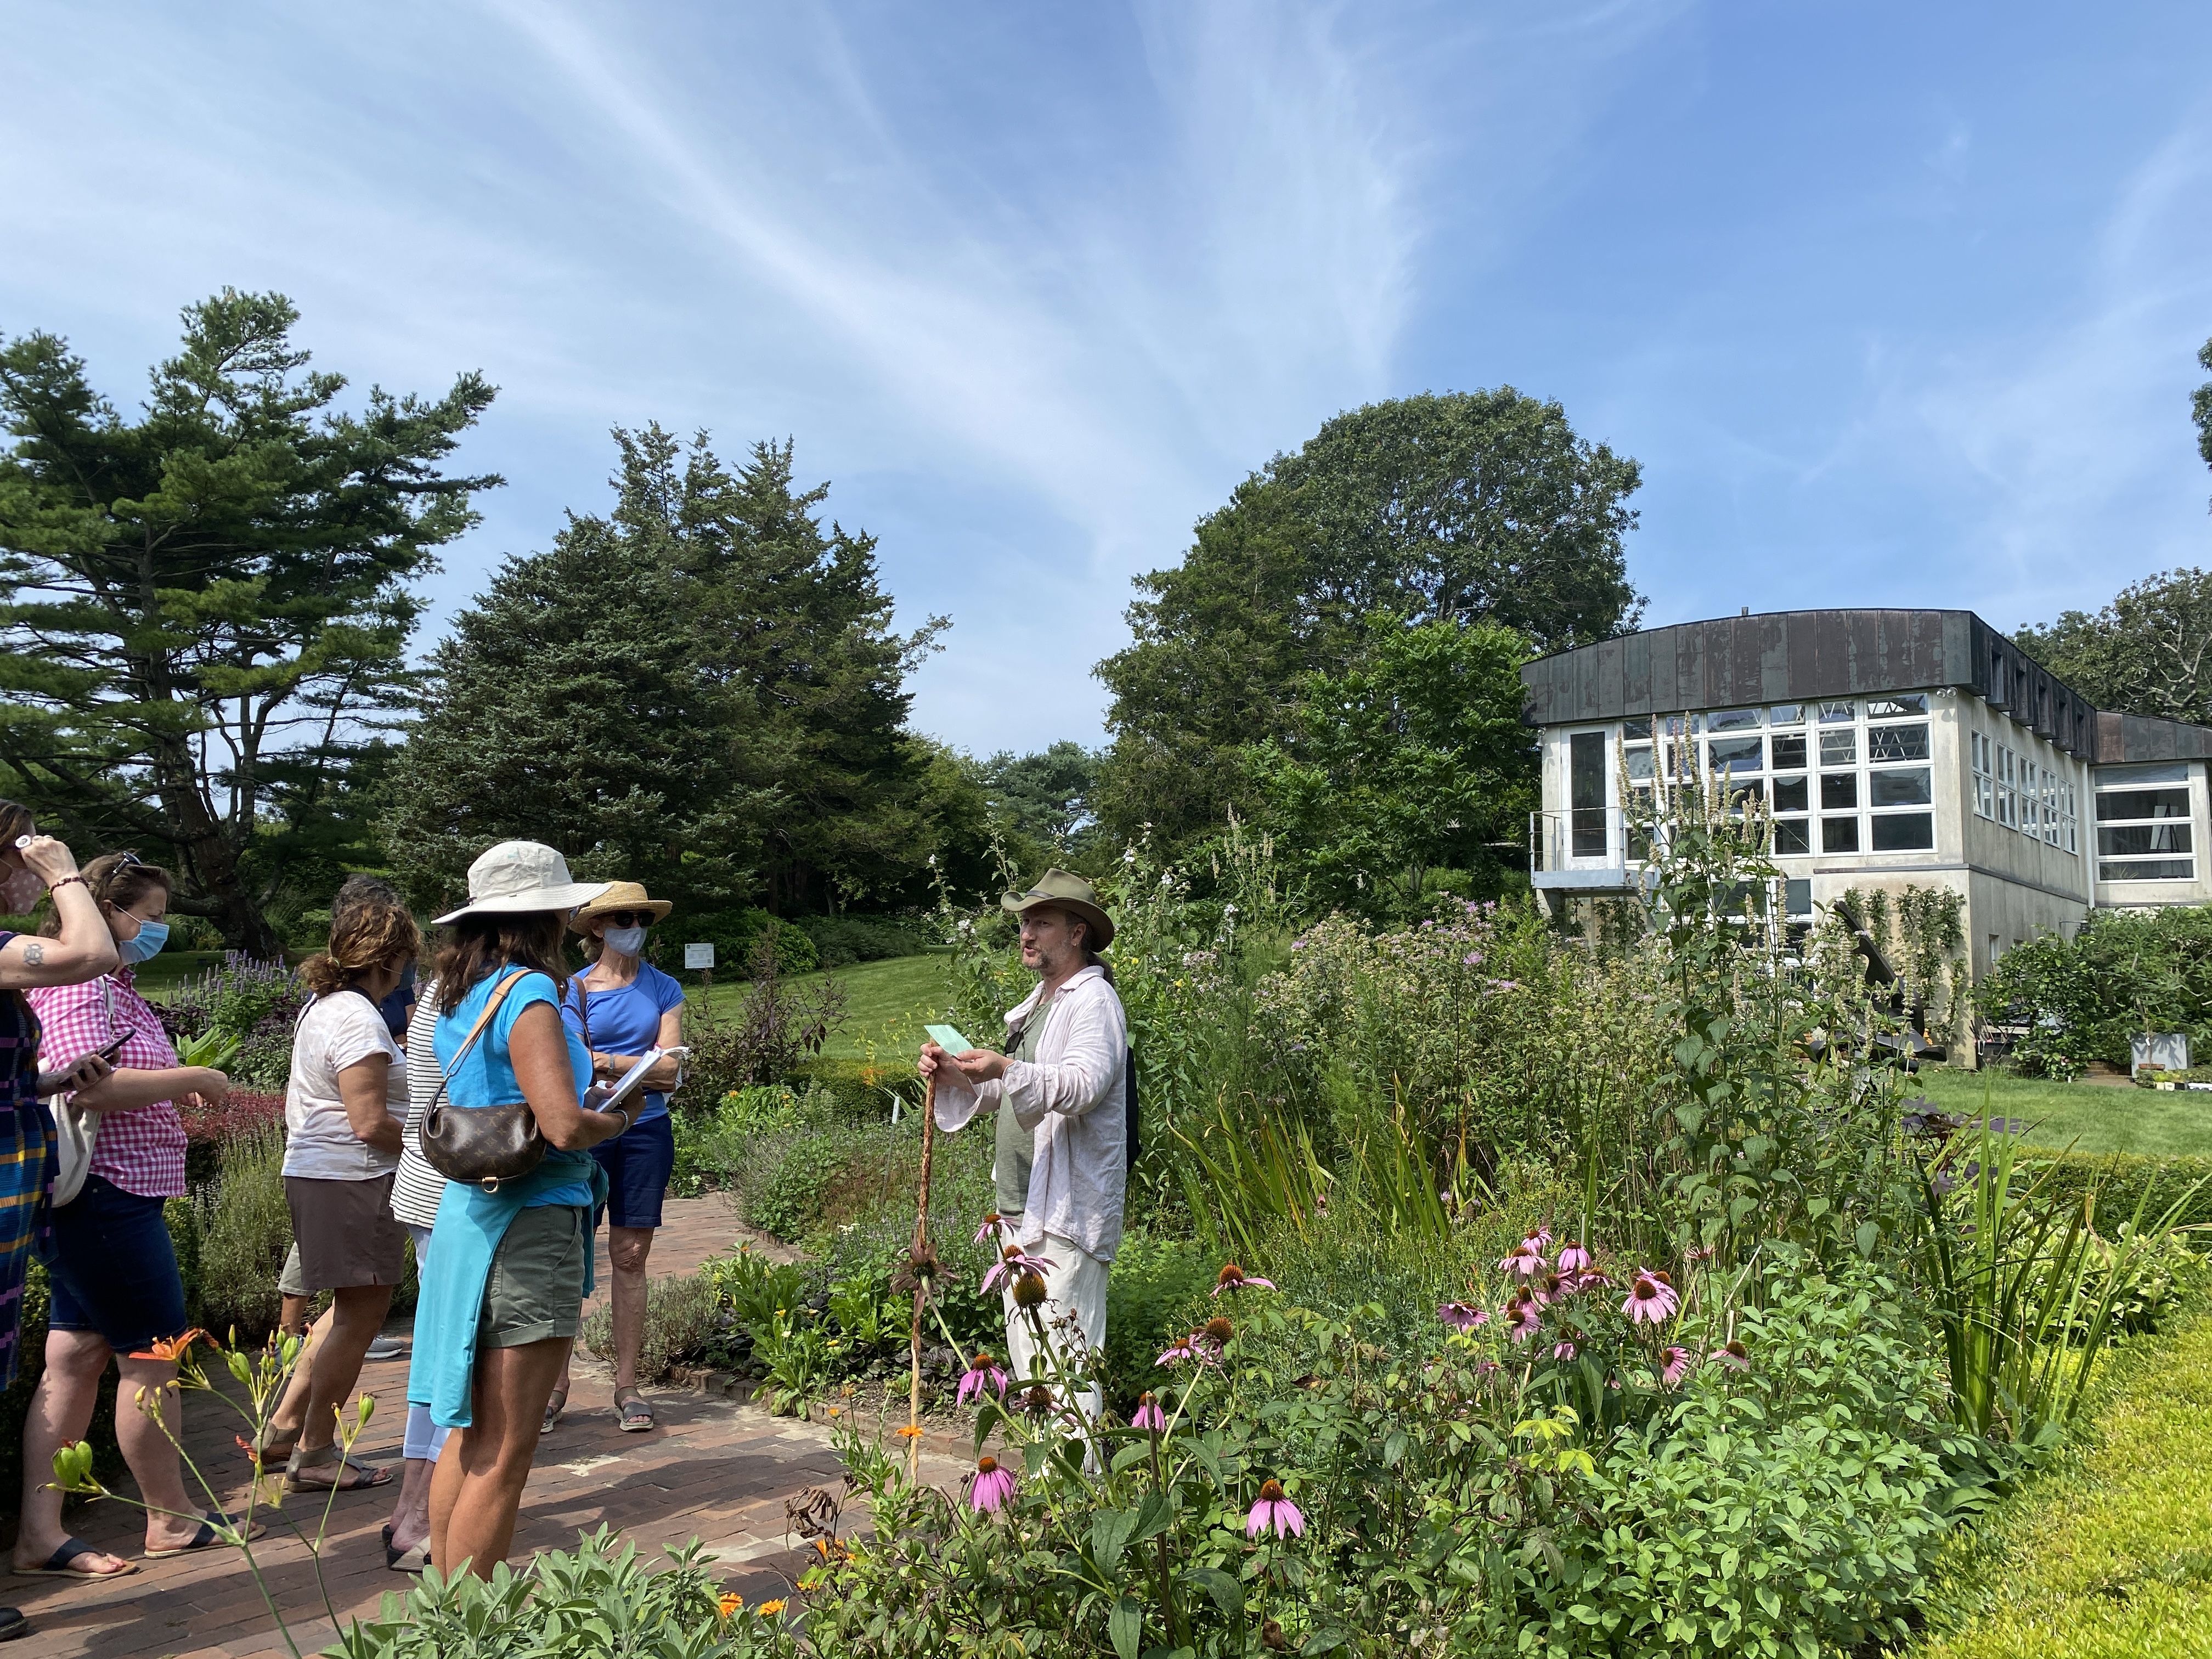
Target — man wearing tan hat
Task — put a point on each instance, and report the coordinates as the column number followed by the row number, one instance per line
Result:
column 1060, row 1094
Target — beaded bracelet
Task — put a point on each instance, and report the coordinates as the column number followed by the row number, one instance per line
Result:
column 64, row 882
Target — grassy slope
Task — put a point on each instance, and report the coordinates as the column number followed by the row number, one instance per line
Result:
column 886, row 1003
column 2093, row 1117
column 2111, row 1559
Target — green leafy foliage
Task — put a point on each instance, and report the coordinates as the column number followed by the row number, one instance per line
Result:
column 2122, row 975
column 682, row 1327
column 1479, row 506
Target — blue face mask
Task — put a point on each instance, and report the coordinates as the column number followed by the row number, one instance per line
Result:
column 625, row 941
column 152, row 936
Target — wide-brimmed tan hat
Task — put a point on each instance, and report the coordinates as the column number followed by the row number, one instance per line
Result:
column 521, row 876
column 1068, row 891
column 620, row 896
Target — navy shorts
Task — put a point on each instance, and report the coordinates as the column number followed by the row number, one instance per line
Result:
column 112, row 1270
column 638, row 1162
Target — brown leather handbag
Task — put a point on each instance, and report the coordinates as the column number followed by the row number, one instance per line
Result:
column 484, row 1144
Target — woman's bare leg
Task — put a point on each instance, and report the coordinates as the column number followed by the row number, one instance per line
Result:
column 476, row 1491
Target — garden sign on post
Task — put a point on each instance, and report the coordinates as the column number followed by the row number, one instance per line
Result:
column 701, row 958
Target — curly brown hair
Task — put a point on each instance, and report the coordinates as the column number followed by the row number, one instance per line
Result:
column 476, row 946
column 364, row 937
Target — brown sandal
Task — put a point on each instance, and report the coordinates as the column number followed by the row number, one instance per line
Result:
column 353, row 1475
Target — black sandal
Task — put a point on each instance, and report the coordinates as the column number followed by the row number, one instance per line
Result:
column 555, row 1407
column 353, row 1475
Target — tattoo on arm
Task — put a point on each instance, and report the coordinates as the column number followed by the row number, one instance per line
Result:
column 34, row 953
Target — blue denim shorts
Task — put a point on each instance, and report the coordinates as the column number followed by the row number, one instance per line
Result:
column 112, row 1269
column 638, row 1162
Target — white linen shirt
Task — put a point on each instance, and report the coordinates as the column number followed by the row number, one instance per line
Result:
column 1073, row 1097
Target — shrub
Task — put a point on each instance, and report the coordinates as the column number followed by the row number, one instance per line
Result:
column 840, row 941
column 246, row 1229
column 2120, row 1180
column 863, row 1088
column 788, row 1178
column 774, row 1029
column 736, row 936
column 1152, row 1295
column 683, row 1325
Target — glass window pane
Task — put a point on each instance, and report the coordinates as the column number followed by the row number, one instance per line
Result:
column 1789, row 794
column 1793, row 836
column 1733, row 720
column 1786, row 714
column 1838, row 790
column 1908, row 786
column 1789, row 752
column 1739, row 790
column 1839, row 748
column 2138, row 839
column 2149, row 870
column 1838, row 714
column 1904, row 702
column 1905, row 832
column 1737, row 754
column 1839, row 834
column 2116, row 805
column 1896, row 743
column 1639, row 762
column 1674, row 725
column 1634, row 729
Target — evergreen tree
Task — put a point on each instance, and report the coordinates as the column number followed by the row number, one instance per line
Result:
column 205, row 611
column 701, row 691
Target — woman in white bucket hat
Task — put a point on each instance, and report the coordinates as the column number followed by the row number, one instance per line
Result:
column 504, row 1288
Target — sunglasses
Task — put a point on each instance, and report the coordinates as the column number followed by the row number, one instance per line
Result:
column 626, row 918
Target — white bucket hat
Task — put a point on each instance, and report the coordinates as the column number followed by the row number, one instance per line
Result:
column 521, row 876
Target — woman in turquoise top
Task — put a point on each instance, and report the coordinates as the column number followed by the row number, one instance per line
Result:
column 504, row 1288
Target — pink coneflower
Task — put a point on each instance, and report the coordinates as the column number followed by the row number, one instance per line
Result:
column 1487, row 1368
column 1573, row 1258
column 993, row 1224
column 1463, row 1315
column 1234, row 1277
column 1550, row 1287
column 1526, row 1319
column 992, row 1487
column 1525, row 1259
column 1732, row 1354
column 1149, row 1416
column 1540, row 1239
column 1275, row 1513
column 1563, row 1350
column 1651, row 1299
column 1213, row 1335
column 1678, row 1366
column 1183, row 1348
column 980, row 1374
column 1013, row 1260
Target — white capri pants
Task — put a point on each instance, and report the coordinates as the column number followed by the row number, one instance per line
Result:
column 1076, row 1285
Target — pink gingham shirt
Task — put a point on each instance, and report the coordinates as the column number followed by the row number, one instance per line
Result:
column 142, row 1149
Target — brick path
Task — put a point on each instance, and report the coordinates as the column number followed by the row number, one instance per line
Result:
column 715, row 1469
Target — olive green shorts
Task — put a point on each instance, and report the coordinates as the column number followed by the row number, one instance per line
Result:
column 535, row 1290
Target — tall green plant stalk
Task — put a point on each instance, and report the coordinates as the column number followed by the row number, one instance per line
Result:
column 2014, row 1267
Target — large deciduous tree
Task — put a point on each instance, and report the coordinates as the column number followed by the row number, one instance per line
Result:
column 2150, row 652
column 1480, row 507
column 206, row 611
column 702, row 691
column 1411, row 761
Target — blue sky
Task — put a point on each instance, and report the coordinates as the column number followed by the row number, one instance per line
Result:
column 1896, row 304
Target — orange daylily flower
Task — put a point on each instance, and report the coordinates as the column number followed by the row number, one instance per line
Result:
column 173, row 1350
column 908, row 1431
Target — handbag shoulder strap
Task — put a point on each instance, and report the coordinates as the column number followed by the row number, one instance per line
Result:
column 491, row 1007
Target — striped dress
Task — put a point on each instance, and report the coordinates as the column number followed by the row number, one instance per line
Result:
column 26, row 1145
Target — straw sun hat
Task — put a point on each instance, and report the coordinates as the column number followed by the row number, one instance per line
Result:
column 620, row 896
column 517, row 877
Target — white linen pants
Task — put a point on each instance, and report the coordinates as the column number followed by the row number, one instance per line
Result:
column 1076, row 1285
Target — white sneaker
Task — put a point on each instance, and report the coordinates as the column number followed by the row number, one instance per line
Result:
column 385, row 1347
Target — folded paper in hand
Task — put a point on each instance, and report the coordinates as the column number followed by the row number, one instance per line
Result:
column 631, row 1084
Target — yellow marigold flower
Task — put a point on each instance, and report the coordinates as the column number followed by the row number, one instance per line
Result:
column 769, row 1609
column 732, row 1604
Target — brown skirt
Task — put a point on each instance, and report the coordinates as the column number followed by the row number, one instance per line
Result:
column 346, row 1232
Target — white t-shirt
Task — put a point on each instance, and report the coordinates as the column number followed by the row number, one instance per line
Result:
column 337, row 1031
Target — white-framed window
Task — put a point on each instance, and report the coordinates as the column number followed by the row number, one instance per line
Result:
column 2007, row 802
column 2145, row 831
column 1985, row 783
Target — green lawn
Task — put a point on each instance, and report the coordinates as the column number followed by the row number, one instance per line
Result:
column 886, row 1003
column 2093, row 1118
